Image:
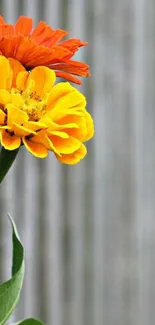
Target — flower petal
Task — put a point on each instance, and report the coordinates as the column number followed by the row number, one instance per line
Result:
column 55, row 115
column 16, row 100
column 75, row 101
column 44, row 79
column 5, row 73
column 79, row 132
column 73, row 158
column 23, row 25
column 58, row 91
column 65, row 146
column 2, row 117
column 16, row 67
column 60, row 134
column 4, row 97
column 34, row 126
column 42, row 138
column 68, row 77
column 90, row 127
column 15, row 115
column 21, row 131
column 2, row 21
column 37, row 149
column 8, row 141
column 21, row 80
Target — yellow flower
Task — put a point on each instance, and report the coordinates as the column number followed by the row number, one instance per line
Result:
column 42, row 116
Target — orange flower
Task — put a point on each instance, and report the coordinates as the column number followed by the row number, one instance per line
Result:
column 40, row 115
column 42, row 46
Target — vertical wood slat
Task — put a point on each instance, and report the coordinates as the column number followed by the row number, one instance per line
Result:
column 30, row 235
column 143, row 95
column 100, row 165
column 54, row 259
column 138, row 106
column 76, row 194
column 10, row 10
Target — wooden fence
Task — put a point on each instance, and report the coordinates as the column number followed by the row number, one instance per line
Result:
column 89, row 230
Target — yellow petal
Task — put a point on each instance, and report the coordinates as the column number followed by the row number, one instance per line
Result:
column 37, row 149
column 16, row 67
column 58, row 91
column 2, row 117
column 53, row 126
column 56, row 114
column 6, row 127
column 73, row 100
column 21, row 80
column 65, row 146
column 5, row 73
column 34, row 126
column 21, row 131
column 4, row 97
column 17, row 100
column 44, row 79
column 42, row 138
column 15, row 115
column 60, row 134
column 79, row 132
column 9, row 142
column 73, row 158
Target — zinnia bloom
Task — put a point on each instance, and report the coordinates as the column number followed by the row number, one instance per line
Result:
column 42, row 46
column 40, row 115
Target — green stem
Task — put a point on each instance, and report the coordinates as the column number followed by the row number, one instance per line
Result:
column 7, row 158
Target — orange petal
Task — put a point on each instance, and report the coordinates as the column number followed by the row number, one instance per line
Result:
column 16, row 67
column 40, row 29
column 24, row 25
column 7, row 30
column 73, row 44
column 73, row 67
column 15, row 115
column 2, row 21
column 90, row 126
column 9, row 142
column 67, row 76
column 65, row 146
column 9, row 46
column 44, row 79
column 5, row 73
column 73, row 158
column 37, row 149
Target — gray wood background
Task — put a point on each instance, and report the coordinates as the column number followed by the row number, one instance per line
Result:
column 89, row 230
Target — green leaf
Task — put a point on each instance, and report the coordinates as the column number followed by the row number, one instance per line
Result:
column 10, row 290
column 30, row 321
column 7, row 158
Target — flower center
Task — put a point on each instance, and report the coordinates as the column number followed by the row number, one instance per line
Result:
column 31, row 103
